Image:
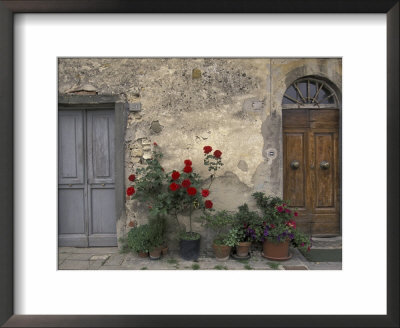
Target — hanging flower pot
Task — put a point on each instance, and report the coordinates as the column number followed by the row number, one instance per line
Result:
column 275, row 250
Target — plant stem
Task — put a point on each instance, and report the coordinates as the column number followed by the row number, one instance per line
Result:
column 190, row 217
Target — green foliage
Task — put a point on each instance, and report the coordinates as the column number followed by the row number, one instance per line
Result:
column 195, row 266
column 189, row 236
column 221, row 222
column 138, row 239
column 273, row 265
column 248, row 267
column 212, row 162
column 156, row 232
column 220, row 267
column 143, row 268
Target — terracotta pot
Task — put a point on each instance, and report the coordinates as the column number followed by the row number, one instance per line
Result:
column 276, row 250
column 243, row 248
column 222, row 252
column 164, row 250
column 143, row 254
column 155, row 254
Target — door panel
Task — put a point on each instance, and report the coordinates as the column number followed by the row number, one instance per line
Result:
column 71, row 161
column 313, row 184
column 100, row 143
column 324, row 176
column 103, row 213
column 295, row 178
column 86, row 199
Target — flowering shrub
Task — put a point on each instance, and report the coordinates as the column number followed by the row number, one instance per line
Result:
column 278, row 222
column 178, row 191
column 248, row 224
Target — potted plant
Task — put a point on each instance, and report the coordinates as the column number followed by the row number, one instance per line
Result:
column 185, row 196
column 156, row 237
column 226, row 235
column 279, row 228
column 138, row 240
column 248, row 228
column 176, row 192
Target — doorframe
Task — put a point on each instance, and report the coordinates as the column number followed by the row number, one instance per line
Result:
column 120, row 107
column 292, row 77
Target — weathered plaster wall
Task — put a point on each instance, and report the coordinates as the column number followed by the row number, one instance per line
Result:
column 231, row 104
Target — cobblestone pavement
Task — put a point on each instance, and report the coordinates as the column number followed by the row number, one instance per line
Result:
column 109, row 258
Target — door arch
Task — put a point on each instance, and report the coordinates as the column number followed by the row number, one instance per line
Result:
column 311, row 154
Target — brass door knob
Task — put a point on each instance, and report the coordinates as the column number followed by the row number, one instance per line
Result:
column 295, row 164
column 324, row 165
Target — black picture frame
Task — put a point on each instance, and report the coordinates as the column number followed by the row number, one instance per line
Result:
column 10, row 7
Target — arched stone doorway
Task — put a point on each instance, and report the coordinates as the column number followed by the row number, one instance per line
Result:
column 311, row 154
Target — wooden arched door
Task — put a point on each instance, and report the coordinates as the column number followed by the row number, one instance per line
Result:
column 311, row 156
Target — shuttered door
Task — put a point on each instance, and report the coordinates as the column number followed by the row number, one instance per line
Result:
column 86, row 190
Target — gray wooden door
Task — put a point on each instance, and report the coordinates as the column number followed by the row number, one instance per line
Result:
column 86, row 190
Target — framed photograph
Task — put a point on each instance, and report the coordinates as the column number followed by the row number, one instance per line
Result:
column 253, row 64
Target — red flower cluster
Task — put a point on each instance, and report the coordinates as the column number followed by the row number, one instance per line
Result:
column 155, row 144
column 205, row 192
column 207, row 149
column 208, row 204
column 188, row 166
column 175, row 175
column 287, row 210
column 191, row 191
column 279, row 209
column 186, row 183
column 291, row 224
column 130, row 191
column 132, row 177
column 218, row 153
column 173, row 186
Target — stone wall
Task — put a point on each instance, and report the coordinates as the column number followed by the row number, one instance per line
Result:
column 230, row 104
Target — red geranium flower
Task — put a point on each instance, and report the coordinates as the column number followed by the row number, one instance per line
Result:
column 205, row 192
column 291, row 224
column 279, row 209
column 191, row 191
column 188, row 162
column 186, row 183
column 187, row 169
column 175, row 175
column 272, row 226
column 308, row 249
column 173, row 186
column 284, row 204
column 217, row 153
column 296, row 214
column 208, row 204
column 132, row 177
column 130, row 191
column 287, row 210
column 155, row 144
column 207, row 149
